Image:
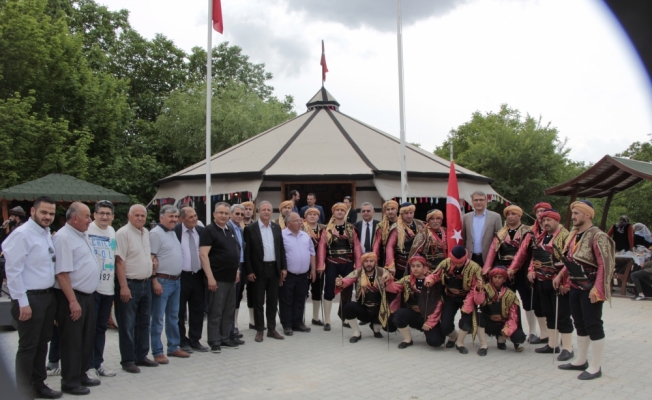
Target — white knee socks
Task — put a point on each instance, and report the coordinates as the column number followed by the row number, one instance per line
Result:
column 316, row 305
column 460, row 338
column 328, row 305
column 531, row 322
column 597, row 348
column 355, row 327
column 567, row 341
column 582, row 350
column 542, row 327
column 407, row 335
column 483, row 338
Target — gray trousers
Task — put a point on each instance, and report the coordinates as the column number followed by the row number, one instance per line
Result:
column 221, row 309
column 639, row 276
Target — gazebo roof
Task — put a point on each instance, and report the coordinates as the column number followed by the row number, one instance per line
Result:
column 62, row 187
column 609, row 175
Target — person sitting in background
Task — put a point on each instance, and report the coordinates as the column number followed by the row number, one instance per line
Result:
column 642, row 235
column 645, row 275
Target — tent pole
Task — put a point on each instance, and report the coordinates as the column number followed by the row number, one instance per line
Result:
column 401, row 98
column 209, row 75
column 572, row 200
column 603, row 223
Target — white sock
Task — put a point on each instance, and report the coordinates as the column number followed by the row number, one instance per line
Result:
column 597, row 348
column 355, row 327
column 531, row 321
column 542, row 327
column 316, row 305
column 483, row 338
column 375, row 327
column 501, row 339
column 328, row 305
column 251, row 316
column 582, row 350
column 567, row 341
column 235, row 318
column 453, row 336
column 460, row 338
column 407, row 335
column 554, row 339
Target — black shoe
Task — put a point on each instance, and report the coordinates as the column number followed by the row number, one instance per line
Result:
column 565, row 355
column 346, row 325
column 585, row 376
column 301, row 328
column 327, row 327
column 251, row 326
column 482, row 352
column 44, row 392
column 78, row 391
column 288, row 332
column 362, row 323
column 546, row 350
column 317, row 322
column 571, row 367
column 89, row 382
column 237, row 341
column 355, row 339
column 236, row 331
column 238, row 335
column 131, row 368
column 502, row 346
column 200, row 348
column 229, row 344
column 538, row 340
column 404, row 345
column 378, row 335
column 462, row 349
column 518, row 348
column 146, row 362
column 450, row 344
column 216, row 348
column 187, row 348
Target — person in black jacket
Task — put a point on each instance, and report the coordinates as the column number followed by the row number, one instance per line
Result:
column 351, row 214
column 265, row 265
column 367, row 236
column 193, row 286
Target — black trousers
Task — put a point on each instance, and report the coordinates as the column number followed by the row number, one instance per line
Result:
column 332, row 272
column 477, row 258
column 292, row 299
column 317, row 287
column 77, row 338
column 33, row 337
column 522, row 285
column 354, row 310
column 494, row 328
column 266, row 286
column 191, row 297
column 586, row 315
column 451, row 305
column 548, row 297
column 240, row 287
column 405, row 317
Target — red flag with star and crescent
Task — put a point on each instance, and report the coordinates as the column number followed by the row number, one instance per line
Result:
column 453, row 212
column 324, row 68
column 218, row 22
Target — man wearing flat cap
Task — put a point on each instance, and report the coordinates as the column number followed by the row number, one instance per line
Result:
column 431, row 241
column 400, row 241
column 590, row 265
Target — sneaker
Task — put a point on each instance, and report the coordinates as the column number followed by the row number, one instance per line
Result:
column 104, row 371
column 54, row 371
column 639, row 297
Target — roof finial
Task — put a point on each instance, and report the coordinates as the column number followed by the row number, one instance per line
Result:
column 324, row 68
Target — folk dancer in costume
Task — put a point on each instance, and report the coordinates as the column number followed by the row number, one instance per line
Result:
column 371, row 303
column 284, row 209
column 431, row 241
column 400, row 241
column 314, row 229
column 521, row 262
column 384, row 228
column 338, row 255
column 420, row 306
column 500, row 313
column 545, row 266
column 503, row 249
column 460, row 276
column 590, row 266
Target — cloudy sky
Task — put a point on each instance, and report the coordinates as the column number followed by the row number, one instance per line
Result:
column 567, row 61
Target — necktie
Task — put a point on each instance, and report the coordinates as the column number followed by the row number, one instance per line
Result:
column 194, row 256
column 367, row 239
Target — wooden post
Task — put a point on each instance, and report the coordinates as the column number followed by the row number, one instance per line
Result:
column 606, row 210
column 568, row 212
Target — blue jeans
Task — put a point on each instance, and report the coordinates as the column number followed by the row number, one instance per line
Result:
column 133, row 321
column 167, row 304
column 103, row 305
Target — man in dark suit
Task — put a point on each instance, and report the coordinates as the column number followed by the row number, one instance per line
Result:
column 265, row 264
column 366, row 228
column 352, row 214
column 193, row 289
column 479, row 228
column 311, row 199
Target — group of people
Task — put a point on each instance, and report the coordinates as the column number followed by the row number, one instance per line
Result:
column 403, row 272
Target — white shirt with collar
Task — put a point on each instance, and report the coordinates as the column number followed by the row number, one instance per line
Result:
column 363, row 234
column 185, row 247
column 28, row 255
column 269, row 254
column 75, row 256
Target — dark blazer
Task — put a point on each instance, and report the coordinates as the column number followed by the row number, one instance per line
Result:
column 254, row 253
column 358, row 228
column 322, row 216
column 352, row 216
column 177, row 230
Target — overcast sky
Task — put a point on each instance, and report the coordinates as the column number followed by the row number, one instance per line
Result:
column 567, row 61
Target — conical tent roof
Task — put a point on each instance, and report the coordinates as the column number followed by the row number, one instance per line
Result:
column 324, row 144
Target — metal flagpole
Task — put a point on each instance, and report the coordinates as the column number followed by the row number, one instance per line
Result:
column 401, row 99
column 209, row 92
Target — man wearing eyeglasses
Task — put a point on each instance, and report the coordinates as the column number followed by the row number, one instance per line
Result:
column 101, row 236
column 29, row 255
column 235, row 223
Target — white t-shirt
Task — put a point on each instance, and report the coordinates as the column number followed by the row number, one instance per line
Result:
column 103, row 243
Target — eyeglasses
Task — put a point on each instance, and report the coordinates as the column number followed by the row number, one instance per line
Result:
column 104, row 214
column 366, row 211
column 238, row 214
column 54, row 257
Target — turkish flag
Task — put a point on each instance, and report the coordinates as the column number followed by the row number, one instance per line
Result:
column 453, row 212
column 218, row 22
column 324, row 68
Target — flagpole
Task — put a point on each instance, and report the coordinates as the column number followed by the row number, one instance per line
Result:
column 209, row 73
column 401, row 99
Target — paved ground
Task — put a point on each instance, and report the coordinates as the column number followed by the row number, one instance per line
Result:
column 318, row 365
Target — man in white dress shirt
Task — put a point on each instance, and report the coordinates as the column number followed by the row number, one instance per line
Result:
column 78, row 275
column 29, row 265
